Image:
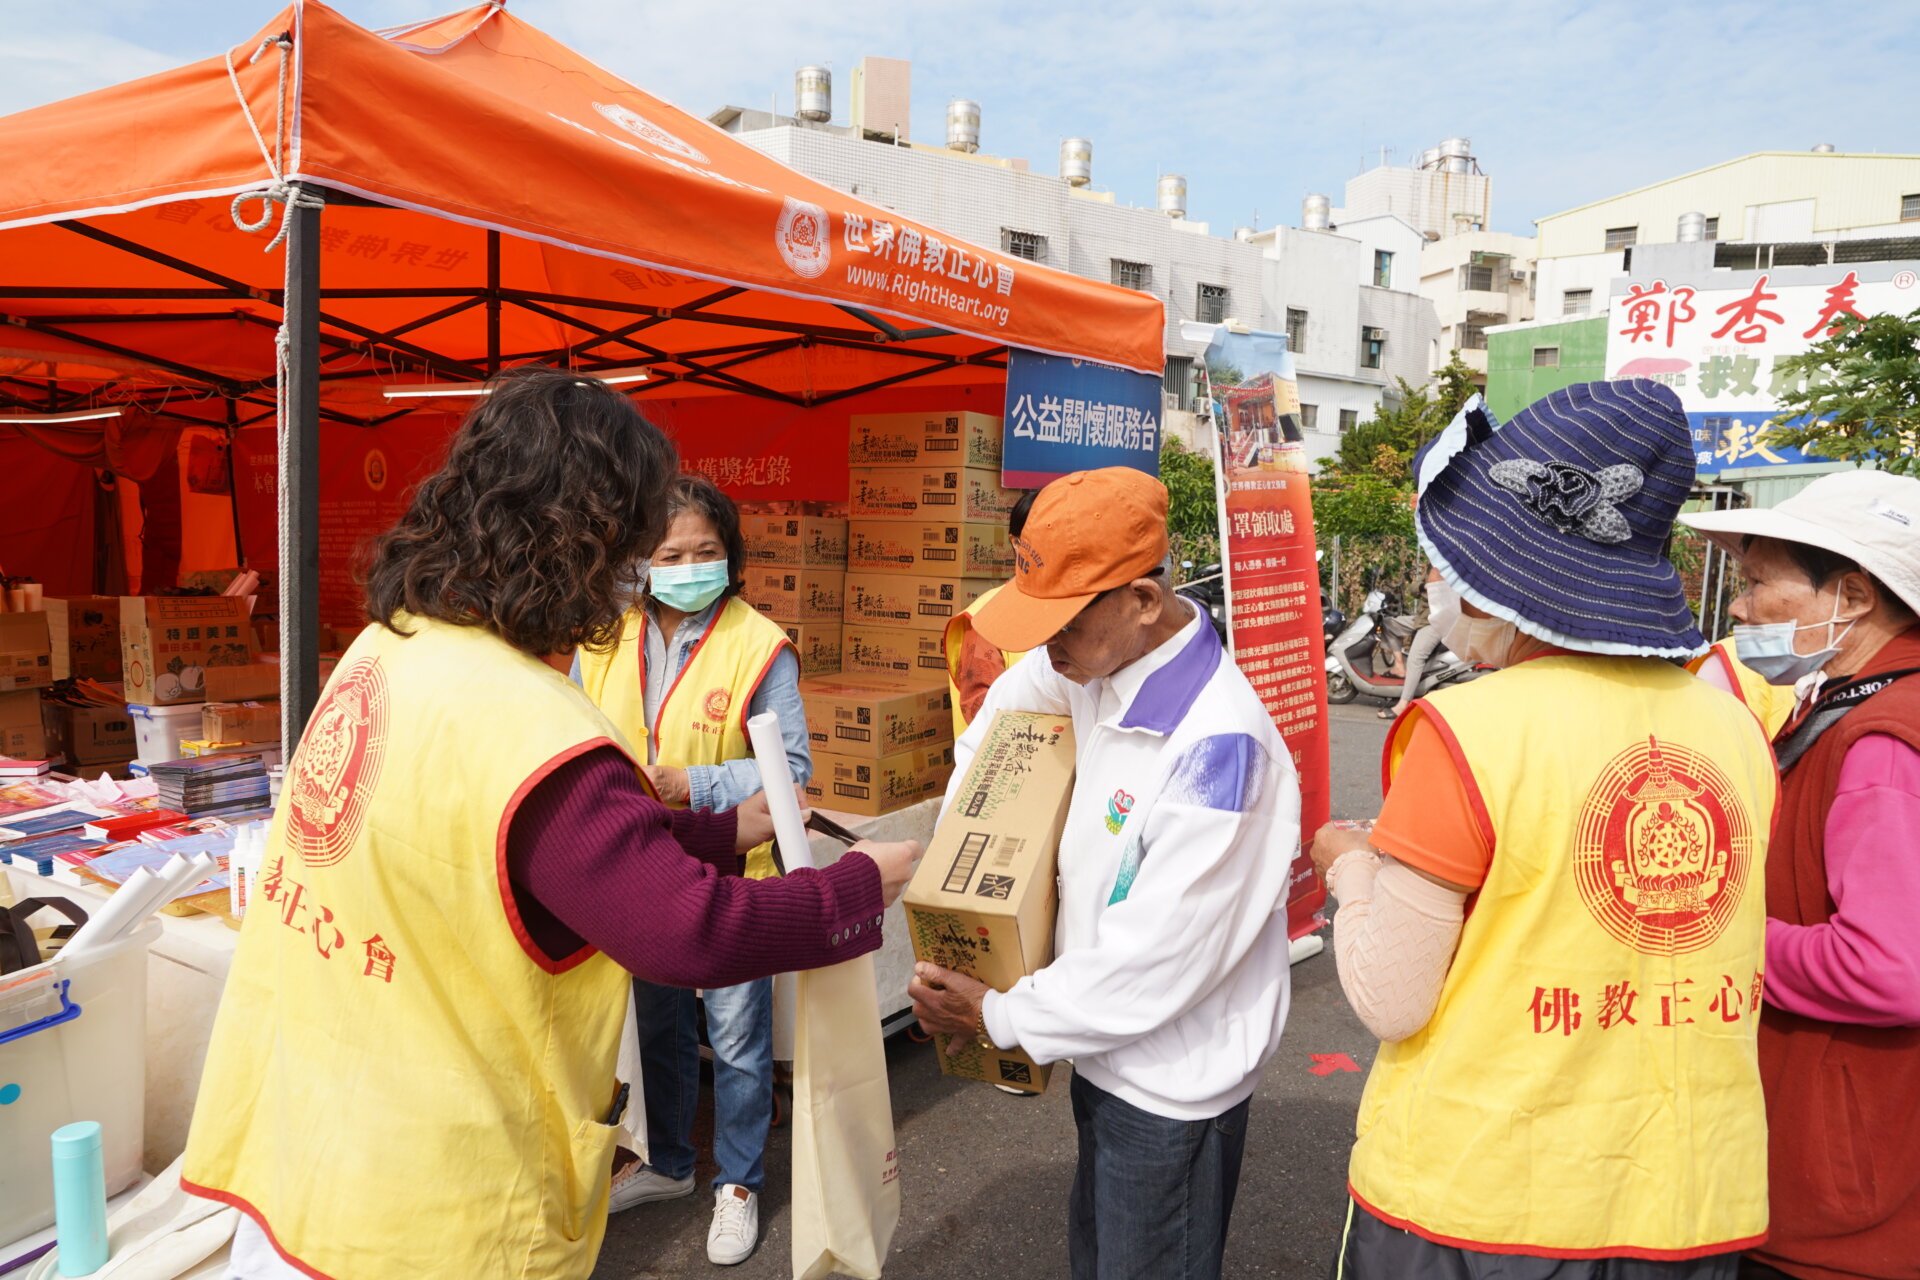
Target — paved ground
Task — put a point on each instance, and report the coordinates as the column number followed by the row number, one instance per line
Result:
column 986, row 1175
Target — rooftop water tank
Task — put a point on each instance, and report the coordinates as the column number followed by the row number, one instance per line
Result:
column 1316, row 213
column 813, row 94
column 1172, row 193
column 1456, row 154
column 963, row 126
column 1693, row 227
column 1076, row 161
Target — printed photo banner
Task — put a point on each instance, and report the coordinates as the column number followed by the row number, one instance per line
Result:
column 1273, row 577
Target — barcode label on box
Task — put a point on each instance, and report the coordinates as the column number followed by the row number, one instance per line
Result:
column 939, row 553
column 852, row 734
column 1009, row 849
column 965, row 862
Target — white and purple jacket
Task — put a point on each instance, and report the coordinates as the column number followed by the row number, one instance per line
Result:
column 1169, row 985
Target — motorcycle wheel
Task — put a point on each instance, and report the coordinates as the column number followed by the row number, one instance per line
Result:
column 1340, row 690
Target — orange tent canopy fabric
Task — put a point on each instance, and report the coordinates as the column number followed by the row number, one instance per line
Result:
column 492, row 197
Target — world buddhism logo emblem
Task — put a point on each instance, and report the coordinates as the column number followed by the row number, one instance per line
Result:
column 1664, row 849
column 331, row 780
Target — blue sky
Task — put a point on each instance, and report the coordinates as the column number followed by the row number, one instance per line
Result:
column 1257, row 102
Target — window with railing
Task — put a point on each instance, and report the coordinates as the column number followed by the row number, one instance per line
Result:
column 1477, row 276
column 1546, row 357
column 1309, row 417
column 1132, row 275
column 1382, row 269
column 1910, row 208
column 1349, row 419
column 1210, row 303
column 1472, row 337
column 1622, row 238
column 1177, row 381
column 1296, row 330
column 1576, row 302
column 1030, row 245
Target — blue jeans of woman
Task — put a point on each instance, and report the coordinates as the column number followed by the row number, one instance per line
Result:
column 1151, row 1196
column 740, row 1029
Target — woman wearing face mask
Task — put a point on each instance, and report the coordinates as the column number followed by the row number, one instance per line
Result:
column 693, row 663
column 1566, row 1085
column 1833, row 588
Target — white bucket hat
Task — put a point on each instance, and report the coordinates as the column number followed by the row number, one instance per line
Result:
column 1869, row 517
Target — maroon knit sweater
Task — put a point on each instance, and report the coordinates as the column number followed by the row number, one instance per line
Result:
column 594, row 859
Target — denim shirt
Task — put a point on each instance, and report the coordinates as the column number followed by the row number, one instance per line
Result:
column 722, row 786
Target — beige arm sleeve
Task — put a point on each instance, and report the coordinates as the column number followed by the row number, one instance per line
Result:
column 1393, row 939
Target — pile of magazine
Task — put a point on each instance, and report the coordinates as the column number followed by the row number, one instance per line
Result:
column 221, row 784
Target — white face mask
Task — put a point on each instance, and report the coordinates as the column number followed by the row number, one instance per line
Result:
column 1768, row 648
column 1488, row 640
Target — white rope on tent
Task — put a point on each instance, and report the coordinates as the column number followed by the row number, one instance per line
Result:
column 283, row 193
column 279, row 191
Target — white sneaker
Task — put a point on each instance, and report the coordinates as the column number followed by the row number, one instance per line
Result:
column 736, row 1226
column 643, row 1184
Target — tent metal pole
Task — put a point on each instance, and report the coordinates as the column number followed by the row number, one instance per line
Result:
column 300, row 478
column 493, row 303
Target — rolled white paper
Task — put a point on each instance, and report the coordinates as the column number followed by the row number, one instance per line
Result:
column 770, row 753
column 125, row 908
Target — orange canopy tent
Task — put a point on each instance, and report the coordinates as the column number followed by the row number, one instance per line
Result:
column 436, row 202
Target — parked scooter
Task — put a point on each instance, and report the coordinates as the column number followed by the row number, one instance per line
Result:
column 1360, row 658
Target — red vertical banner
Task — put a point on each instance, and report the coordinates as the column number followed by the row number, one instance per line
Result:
column 1274, row 614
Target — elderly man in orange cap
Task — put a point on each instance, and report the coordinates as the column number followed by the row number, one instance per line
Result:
column 1169, row 987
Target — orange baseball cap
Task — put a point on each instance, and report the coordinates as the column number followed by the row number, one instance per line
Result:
column 1088, row 532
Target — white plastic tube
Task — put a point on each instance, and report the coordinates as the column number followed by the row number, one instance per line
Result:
column 770, row 753
column 131, row 903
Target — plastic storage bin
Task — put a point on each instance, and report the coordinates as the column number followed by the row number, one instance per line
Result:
column 73, row 1036
column 157, row 730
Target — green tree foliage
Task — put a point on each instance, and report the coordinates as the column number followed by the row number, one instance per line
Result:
column 1855, row 394
column 1362, row 507
column 1383, row 446
column 1191, row 510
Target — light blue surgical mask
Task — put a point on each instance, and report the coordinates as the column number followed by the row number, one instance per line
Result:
column 1768, row 648
column 688, row 587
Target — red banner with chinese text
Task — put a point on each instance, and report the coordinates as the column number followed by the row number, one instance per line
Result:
column 1274, row 615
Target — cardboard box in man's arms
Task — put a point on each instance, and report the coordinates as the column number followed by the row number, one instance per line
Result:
column 983, row 899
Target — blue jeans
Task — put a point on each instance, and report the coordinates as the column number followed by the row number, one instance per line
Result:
column 740, row 1029
column 1151, row 1196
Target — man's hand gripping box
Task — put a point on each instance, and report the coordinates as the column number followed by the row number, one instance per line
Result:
column 983, row 900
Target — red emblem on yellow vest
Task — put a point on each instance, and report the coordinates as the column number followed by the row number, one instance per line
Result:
column 331, row 780
column 717, row 703
column 1664, row 849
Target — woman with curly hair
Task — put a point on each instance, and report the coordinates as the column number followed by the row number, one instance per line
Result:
column 412, row 1072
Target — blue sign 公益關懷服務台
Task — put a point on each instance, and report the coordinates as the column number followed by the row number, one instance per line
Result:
column 1065, row 415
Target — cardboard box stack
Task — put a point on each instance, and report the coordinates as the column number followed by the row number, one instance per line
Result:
column 926, row 534
column 982, row 901
column 26, row 667
column 879, row 742
column 796, row 575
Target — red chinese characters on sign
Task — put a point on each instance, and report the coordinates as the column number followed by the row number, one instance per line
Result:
column 1275, row 622
column 1651, row 309
column 1747, row 318
column 299, row 911
column 1839, row 303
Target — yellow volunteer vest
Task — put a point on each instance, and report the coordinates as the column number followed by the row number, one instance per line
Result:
column 400, row 1083
column 1588, row 1085
column 1771, row 704
column 956, row 635
column 703, row 718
